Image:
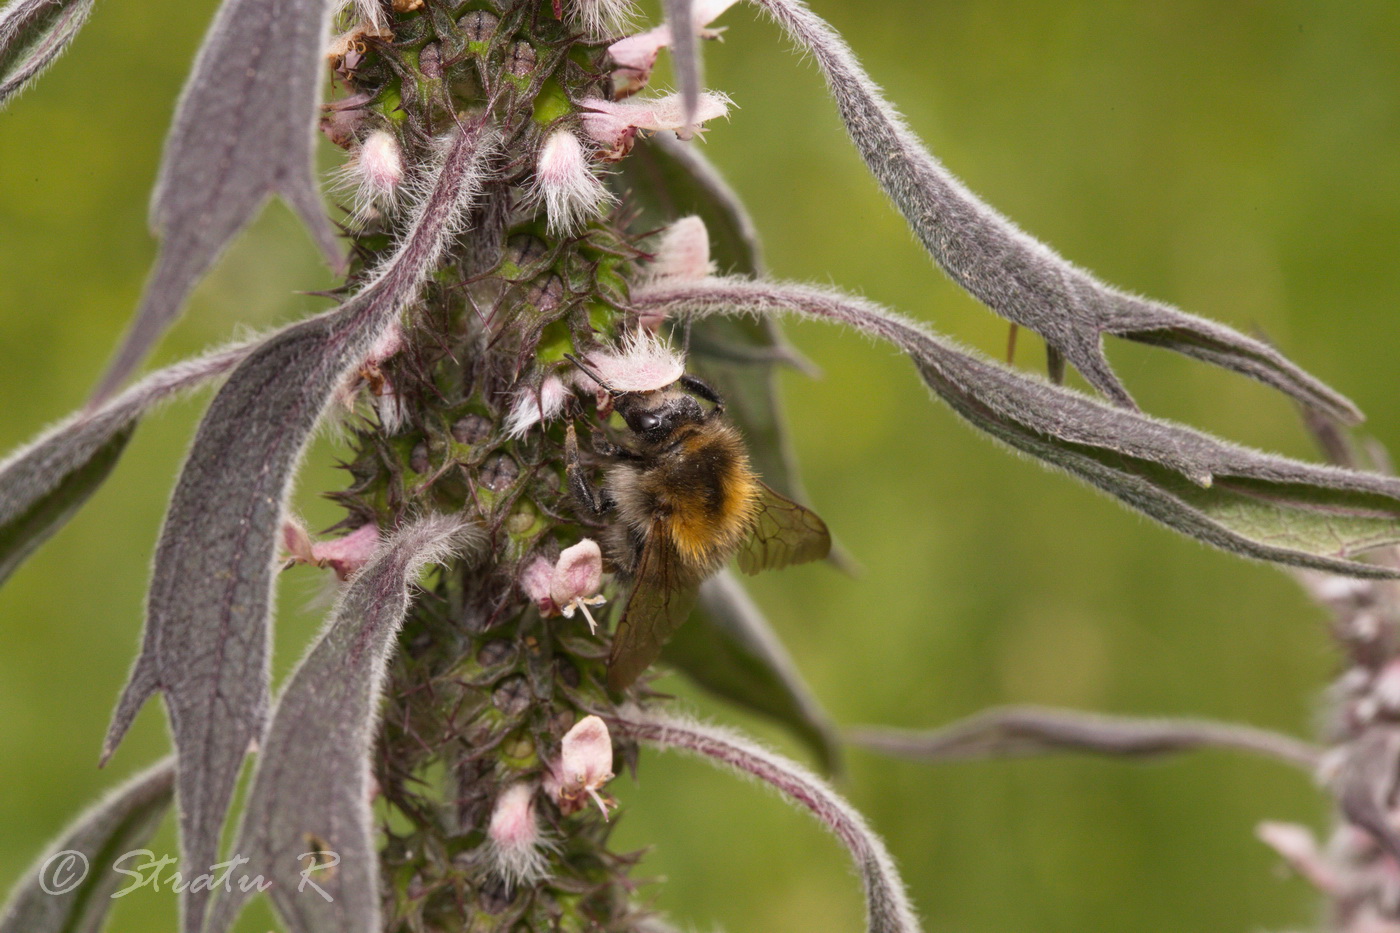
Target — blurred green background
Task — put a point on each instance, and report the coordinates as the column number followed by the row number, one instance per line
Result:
column 1240, row 160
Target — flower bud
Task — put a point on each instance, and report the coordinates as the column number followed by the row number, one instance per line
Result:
column 375, row 172
column 517, row 845
column 536, row 406
column 602, row 17
column 682, row 252
column 536, row 581
column 565, row 184
column 584, row 765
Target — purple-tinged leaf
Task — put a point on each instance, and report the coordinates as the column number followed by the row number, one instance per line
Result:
column 685, row 53
column 1252, row 504
column 1022, row 731
column 311, row 790
column 244, row 130
column 44, row 483
column 70, row 886
column 1364, row 781
column 887, row 907
column 33, row 34
column 730, row 649
column 1012, row 273
column 207, row 616
column 666, row 179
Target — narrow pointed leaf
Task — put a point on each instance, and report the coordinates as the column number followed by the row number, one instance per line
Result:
column 685, row 52
column 312, row 787
column 33, row 34
column 887, row 906
column 1253, row 504
column 1009, row 271
column 207, row 625
column 730, row 649
column 244, row 130
column 123, row 820
column 1364, row 783
column 44, row 483
column 1021, row 731
column 666, row 179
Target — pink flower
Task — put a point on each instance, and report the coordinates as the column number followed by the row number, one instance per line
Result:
column 614, row 124
column 565, row 184
column 641, row 362
column 584, row 766
column 344, row 555
column 576, row 580
column 517, row 845
column 636, row 55
column 568, row 586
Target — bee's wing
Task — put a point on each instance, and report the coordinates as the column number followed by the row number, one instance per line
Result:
column 661, row 599
column 783, row 533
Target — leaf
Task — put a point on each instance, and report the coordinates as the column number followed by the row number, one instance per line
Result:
column 33, row 34
column 312, row 787
column 1020, row 731
column 207, row 622
column 685, row 54
column 44, row 483
column 1013, row 274
column 887, row 907
column 244, row 130
column 667, row 179
column 1253, row 504
column 730, row 649
column 124, row 819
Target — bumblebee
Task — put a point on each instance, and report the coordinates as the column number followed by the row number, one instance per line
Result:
column 682, row 500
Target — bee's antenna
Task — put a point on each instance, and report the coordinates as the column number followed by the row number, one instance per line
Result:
column 590, row 372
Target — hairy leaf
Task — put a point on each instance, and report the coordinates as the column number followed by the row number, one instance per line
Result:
column 887, row 907
column 244, row 130
column 685, row 53
column 1253, row 504
column 69, row 888
column 666, row 179
column 44, row 483
column 207, row 627
column 1363, row 781
column 1019, row 731
column 33, row 34
column 312, row 788
column 1012, row 273
column 730, row 649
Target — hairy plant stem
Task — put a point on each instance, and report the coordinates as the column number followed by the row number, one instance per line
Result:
column 482, row 687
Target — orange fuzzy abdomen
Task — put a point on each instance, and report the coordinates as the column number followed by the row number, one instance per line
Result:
column 709, row 496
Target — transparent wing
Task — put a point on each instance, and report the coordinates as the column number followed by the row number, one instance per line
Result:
column 661, row 599
column 784, row 533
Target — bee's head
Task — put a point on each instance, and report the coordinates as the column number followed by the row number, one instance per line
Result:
column 655, row 416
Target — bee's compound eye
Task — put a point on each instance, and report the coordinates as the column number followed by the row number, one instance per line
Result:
column 648, row 422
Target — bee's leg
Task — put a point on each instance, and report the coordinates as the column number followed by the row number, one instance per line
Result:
column 698, row 387
column 608, row 449
column 595, row 503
